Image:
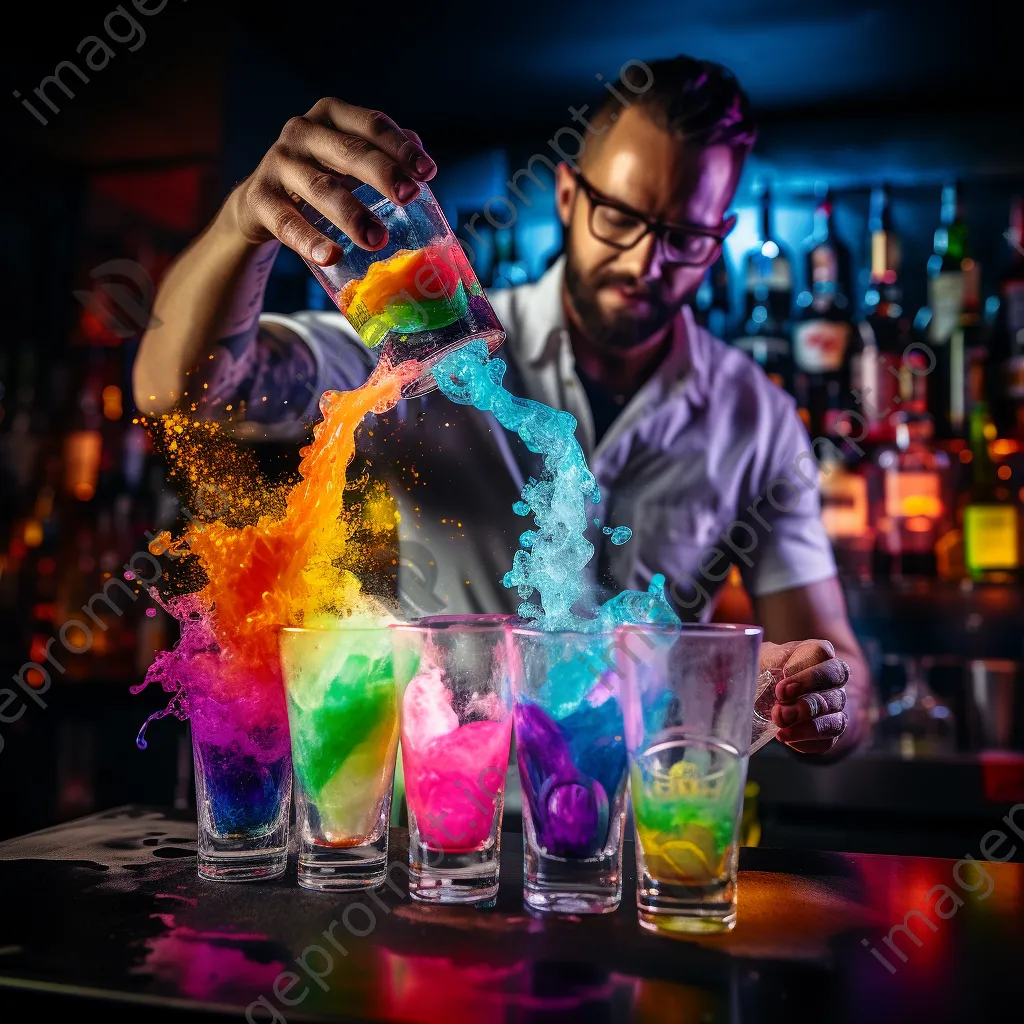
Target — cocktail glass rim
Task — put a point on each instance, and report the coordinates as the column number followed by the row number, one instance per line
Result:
column 333, row 629
column 583, row 634
column 485, row 621
column 694, row 628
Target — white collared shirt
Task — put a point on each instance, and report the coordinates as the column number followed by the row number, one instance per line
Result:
column 706, row 441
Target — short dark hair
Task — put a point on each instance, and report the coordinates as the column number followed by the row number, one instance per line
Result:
column 698, row 100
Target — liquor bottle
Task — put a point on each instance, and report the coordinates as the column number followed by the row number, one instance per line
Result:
column 911, row 499
column 991, row 516
column 845, row 514
column 881, row 374
column 821, row 334
column 1008, row 334
column 711, row 304
column 768, row 281
column 954, row 301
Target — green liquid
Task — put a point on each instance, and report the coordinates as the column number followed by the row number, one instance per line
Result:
column 343, row 747
column 686, row 819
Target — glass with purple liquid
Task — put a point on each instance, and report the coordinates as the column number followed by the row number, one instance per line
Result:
column 243, row 768
column 573, row 769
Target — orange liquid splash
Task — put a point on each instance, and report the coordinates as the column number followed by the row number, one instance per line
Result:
column 287, row 565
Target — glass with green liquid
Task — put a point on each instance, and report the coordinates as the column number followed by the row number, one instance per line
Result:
column 688, row 701
column 343, row 717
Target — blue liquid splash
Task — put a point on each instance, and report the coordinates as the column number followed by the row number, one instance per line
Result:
column 552, row 557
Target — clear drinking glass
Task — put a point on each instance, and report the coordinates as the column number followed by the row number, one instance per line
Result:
column 243, row 772
column 456, row 736
column 763, row 729
column 573, row 770
column 418, row 297
column 916, row 722
column 689, row 694
column 343, row 713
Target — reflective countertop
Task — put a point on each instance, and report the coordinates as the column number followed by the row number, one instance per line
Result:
column 109, row 908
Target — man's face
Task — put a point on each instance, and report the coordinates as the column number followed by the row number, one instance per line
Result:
column 622, row 297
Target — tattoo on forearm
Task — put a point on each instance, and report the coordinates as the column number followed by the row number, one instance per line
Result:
column 243, row 314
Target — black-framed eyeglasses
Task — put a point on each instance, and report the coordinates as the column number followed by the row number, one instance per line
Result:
column 621, row 227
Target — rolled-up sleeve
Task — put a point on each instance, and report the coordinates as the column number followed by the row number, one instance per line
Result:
column 277, row 374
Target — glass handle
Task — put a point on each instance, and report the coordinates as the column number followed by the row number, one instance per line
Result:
column 763, row 729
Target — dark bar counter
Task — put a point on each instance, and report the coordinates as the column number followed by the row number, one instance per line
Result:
column 105, row 915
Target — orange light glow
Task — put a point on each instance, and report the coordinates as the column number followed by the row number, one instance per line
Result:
column 1004, row 472
column 76, row 639
column 112, row 402
column 919, row 506
column 33, row 535
column 1004, row 446
column 82, row 450
column 966, row 456
column 918, row 524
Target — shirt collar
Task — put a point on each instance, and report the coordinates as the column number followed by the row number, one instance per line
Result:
column 543, row 345
column 544, row 315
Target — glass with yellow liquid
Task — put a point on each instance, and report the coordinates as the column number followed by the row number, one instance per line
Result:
column 688, row 711
column 343, row 717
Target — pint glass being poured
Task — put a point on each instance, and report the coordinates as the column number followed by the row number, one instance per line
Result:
column 418, row 297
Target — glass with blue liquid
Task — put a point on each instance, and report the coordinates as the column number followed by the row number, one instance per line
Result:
column 243, row 770
column 573, row 769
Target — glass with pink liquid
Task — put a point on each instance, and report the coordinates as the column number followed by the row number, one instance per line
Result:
column 456, row 715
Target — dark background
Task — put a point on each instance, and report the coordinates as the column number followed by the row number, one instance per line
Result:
column 138, row 160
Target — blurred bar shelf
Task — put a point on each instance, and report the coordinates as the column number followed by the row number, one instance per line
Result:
column 940, row 618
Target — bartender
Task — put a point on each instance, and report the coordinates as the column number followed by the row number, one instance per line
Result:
column 693, row 447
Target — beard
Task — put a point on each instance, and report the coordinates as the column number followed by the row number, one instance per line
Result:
column 623, row 330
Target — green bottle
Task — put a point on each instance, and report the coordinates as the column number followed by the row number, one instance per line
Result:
column 991, row 517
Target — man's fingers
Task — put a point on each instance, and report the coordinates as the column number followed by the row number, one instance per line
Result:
column 825, row 676
column 824, row 727
column 375, row 128
column 274, row 209
column 352, row 159
column 326, row 194
column 807, row 654
column 809, row 706
column 413, row 137
column 774, row 656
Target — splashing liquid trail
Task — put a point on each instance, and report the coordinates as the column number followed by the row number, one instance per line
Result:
column 552, row 558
